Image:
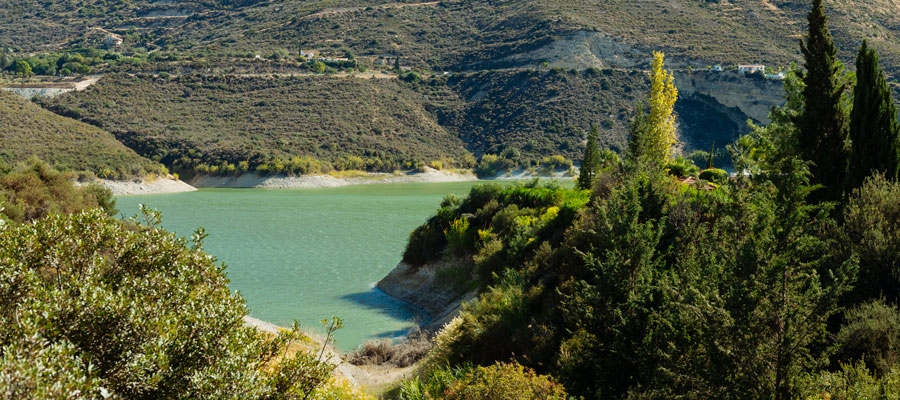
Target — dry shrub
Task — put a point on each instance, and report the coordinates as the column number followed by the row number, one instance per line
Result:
column 385, row 351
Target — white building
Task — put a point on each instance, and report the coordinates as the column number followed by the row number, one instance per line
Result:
column 752, row 68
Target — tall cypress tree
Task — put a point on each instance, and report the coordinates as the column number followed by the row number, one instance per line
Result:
column 874, row 131
column 822, row 123
column 590, row 163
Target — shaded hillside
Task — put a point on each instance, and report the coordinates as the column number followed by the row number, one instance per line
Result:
column 213, row 119
column 28, row 130
column 541, row 113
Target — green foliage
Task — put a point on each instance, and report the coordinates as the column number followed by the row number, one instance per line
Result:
column 873, row 234
column 874, row 131
column 682, row 167
column 714, row 175
column 641, row 297
column 23, row 68
column 501, row 380
column 652, row 138
column 590, row 162
column 34, row 190
column 852, row 381
column 460, row 238
column 282, row 124
column 68, row 145
column 822, row 122
column 490, row 165
column 871, row 335
column 412, row 77
column 94, row 307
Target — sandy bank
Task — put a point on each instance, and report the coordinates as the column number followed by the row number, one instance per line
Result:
column 155, row 186
column 251, row 180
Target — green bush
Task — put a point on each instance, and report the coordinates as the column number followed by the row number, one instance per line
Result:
column 34, row 190
column 92, row 307
column 714, row 175
column 871, row 334
column 503, row 381
column 851, row 382
column 499, row 381
column 460, row 238
column 682, row 167
column 870, row 224
column 491, row 164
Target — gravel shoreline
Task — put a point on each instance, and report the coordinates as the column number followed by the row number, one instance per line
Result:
column 252, row 180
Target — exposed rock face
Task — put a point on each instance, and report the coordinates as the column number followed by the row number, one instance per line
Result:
column 585, row 49
column 32, row 92
column 751, row 94
column 422, row 288
column 713, row 107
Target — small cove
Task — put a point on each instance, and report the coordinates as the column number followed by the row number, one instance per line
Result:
column 308, row 254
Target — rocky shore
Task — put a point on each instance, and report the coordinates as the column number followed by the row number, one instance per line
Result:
column 422, row 288
column 144, row 186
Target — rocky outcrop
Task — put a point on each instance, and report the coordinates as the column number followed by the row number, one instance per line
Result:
column 423, row 287
column 751, row 94
column 32, row 92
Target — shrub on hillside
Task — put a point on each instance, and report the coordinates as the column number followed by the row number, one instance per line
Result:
column 490, row 165
column 500, row 381
column 715, row 175
column 682, row 167
column 93, row 307
column 34, row 190
column 870, row 224
column 871, row 335
column 852, row 381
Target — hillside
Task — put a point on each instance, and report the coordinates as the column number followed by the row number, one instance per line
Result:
column 221, row 81
column 28, row 130
column 457, row 35
column 378, row 124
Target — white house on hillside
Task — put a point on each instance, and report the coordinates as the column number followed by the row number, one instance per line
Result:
column 752, row 68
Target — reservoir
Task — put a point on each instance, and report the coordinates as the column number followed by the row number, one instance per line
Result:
column 308, row 254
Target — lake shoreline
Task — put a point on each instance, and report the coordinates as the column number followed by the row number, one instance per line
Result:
column 256, row 181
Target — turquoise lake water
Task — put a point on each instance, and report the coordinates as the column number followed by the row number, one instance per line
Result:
column 308, row 254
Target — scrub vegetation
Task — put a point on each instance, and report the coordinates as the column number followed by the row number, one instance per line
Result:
column 651, row 285
column 96, row 307
column 30, row 131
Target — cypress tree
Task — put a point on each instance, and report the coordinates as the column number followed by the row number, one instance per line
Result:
column 874, row 130
column 822, row 123
column 590, row 163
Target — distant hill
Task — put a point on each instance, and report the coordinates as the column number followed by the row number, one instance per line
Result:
column 191, row 120
column 28, row 130
column 213, row 78
column 461, row 35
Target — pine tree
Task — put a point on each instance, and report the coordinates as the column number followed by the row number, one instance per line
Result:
column 874, row 131
column 822, row 123
column 590, row 163
column 653, row 133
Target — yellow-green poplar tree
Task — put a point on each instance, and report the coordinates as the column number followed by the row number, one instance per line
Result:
column 653, row 134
